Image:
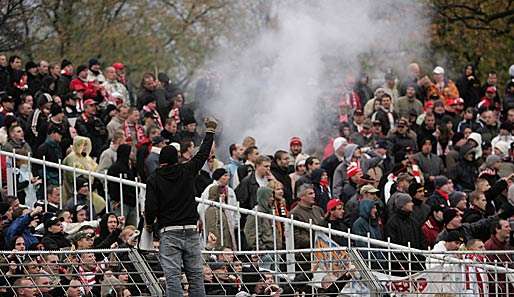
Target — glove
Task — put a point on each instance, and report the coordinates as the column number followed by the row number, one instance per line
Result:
column 508, row 211
column 211, row 124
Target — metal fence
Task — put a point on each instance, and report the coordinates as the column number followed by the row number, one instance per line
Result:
column 288, row 225
column 77, row 273
column 356, row 272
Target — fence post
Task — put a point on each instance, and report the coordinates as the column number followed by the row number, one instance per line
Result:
column 121, row 197
column 106, row 190
column 239, row 227
column 15, row 183
column 74, row 185
column 256, row 231
column 90, row 196
column 389, row 255
column 60, row 184
column 221, row 223
column 137, row 201
column 44, row 182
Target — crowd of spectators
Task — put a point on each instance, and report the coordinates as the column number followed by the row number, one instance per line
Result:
column 422, row 160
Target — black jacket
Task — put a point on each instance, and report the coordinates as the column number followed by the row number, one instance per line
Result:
column 55, row 241
column 171, row 137
column 469, row 89
column 121, row 166
column 170, row 190
column 94, row 129
column 402, row 228
column 330, row 164
column 246, row 192
column 106, row 238
column 63, row 85
column 282, row 175
column 338, row 225
column 437, row 199
column 52, row 152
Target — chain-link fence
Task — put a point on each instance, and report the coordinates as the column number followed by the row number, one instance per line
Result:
column 120, row 272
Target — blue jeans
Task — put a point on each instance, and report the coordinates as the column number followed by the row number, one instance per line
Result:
column 177, row 248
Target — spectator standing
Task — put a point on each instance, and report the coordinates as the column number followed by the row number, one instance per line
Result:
column 173, row 185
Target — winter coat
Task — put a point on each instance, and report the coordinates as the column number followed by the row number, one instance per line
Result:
column 330, row 164
column 163, row 105
column 421, row 211
column 52, row 152
column 365, row 224
column 107, row 158
column 63, row 84
column 469, row 89
column 304, row 214
column 404, row 105
column 282, row 175
column 93, row 128
column 81, row 200
column 338, row 225
column 402, row 228
column 170, row 190
column 16, row 146
column 382, row 115
column 106, row 238
column 489, row 132
column 265, row 225
column 79, row 161
column 430, row 165
column 20, row 226
column 431, row 229
column 465, row 173
column 322, row 192
column 214, row 221
column 122, row 167
column 232, row 167
column 55, row 241
column 401, row 141
column 472, row 215
column 438, row 199
column 246, row 192
column 471, row 230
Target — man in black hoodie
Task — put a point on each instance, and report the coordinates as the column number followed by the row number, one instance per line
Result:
column 55, row 238
column 123, row 166
column 170, row 199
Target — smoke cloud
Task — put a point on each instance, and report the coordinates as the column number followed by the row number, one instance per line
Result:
column 271, row 87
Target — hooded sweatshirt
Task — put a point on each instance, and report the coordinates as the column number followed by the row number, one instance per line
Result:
column 170, row 190
column 365, row 223
column 265, row 226
column 106, row 238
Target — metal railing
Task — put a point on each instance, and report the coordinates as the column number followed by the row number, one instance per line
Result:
column 289, row 224
column 64, row 272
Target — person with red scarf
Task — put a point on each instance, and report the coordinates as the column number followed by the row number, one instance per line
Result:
column 64, row 80
column 443, row 188
column 133, row 130
column 151, row 107
column 81, row 84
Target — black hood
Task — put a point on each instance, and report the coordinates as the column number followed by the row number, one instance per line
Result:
column 104, row 231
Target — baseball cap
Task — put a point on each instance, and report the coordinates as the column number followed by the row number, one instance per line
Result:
column 89, row 102
column 368, row 189
column 53, row 221
column 333, row 203
column 491, row 90
column 118, row 66
column 439, row 70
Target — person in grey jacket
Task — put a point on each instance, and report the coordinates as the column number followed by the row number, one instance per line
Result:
column 352, row 153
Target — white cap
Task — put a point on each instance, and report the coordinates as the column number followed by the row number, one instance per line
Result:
column 338, row 142
column 439, row 70
column 511, row 70
column 176, row 146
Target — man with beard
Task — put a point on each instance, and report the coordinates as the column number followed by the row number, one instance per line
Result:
column 279, row 169
column 295, row 148
column 385, row 113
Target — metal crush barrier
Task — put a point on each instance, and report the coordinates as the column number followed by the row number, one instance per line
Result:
column 116, row 272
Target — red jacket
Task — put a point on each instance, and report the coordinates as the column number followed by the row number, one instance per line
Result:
column 430, row 230
column 88, row 88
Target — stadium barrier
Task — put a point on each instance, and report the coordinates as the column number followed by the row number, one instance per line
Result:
column 320, row 272
column 99, row 272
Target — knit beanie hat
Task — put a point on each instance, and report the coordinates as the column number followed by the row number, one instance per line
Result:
column 168, row 155
column 218, row 173
column 449, row 214
column 456, row 197
column 440, row 181
column 491, row 160
column 338, row 142
column 353, row 170
column 414, row 187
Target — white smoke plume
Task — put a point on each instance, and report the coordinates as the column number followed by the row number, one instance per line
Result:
column 271, row 86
